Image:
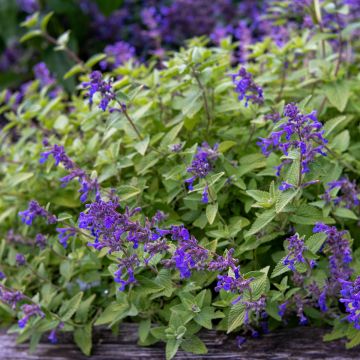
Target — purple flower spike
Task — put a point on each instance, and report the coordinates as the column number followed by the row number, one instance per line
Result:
column 300, row 132
column 97, row 84
column 29, row 311
column 296, row 248
column 348, row 193
column 35, row 210
column 246, row 88
column 20, row 259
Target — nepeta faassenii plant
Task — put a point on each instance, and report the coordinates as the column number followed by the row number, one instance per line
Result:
column 182, row 197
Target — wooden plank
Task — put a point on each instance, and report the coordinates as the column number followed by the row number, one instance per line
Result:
column 301, row 343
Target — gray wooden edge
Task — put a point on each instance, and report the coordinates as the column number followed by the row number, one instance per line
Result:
column 297, row 343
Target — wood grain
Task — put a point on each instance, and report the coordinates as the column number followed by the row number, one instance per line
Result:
column 299, row 343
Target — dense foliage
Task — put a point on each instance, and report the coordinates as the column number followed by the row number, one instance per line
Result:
column 189, row 191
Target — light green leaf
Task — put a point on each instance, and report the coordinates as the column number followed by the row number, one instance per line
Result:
column 194, row 345
column 70, row 307
column 236, row 317
column 338, row 94
column 83, row 338
column 283, row 198
column 211, row 211
column 261, row 221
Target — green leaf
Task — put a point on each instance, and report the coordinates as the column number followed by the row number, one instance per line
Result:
column 345, row 213
column 45, row 21
column 355, row 341
column 144, row 329
column 264, row 219
column 29, row 35
column 341, row 141
column 314, row 242
column 236, row 317
column 283, row 198
column 126, row 192
column 21, row 177
column 142, row 145
column 280, row 268
column 260, row 196
column 172, row 346
column 338, row 94
column 194, row 345
column 70, row 307
column 171, row 135
column 76, row 69
column 211, row 211
column 111, row 312
column 226, row 145
column 83, row 338
column 94, row 60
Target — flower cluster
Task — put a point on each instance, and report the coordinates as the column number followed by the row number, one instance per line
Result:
column 296, row 248
column 98, row 85
column 247, row 88
column 42, row 73
column 300, row 132
column 35, row 210
column 117, row 54
column 10, row 297
column 236, row 284
column 29, row 310
column 350, row 296
column 348, row 195
column 201, row 166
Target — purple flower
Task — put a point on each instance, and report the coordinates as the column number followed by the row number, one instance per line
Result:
column 237, row 284
column 282, row 309
column 117, row 54
column 350, row 297
column 35, row 210
column 300, row 132
column 240, row 340
column 285, row 186
column 40, row 241
column 256, row 306
column 29, row 311
column 176, row 147
column 20, row 259
column 97, row 84
column 340, row 254
column 221, row 263
column 205, row 195
column 348, row 193
column 202, row 163
column 296, row 248
column 28, row 6
column 65, row 234
column 247, row 88
column 42, row 74
column 87, row 185
column 2, row 276
column 59, row 155
column 10, row 297
column 124, row 275
column 322, row 301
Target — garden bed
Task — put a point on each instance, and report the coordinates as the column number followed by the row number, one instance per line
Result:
column 296, row 343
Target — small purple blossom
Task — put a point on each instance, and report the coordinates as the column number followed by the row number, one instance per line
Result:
column 240, row 340
column 35, row 210
column 237, row 284
column 296, row 248
column 29, row 310
column 28, row 6
column 124, row 275
column 202, row 163
column 20, row 259
column 247, row 88
column 2, row 276
column 40, row 241
column 176, row 147
column 42, row 74
column 10, row 297
column 340, row 253
column 348, row 195
column 285, row 186
column 117, row 54
column 255, row 306
column 65, row 234
column 97, row 84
